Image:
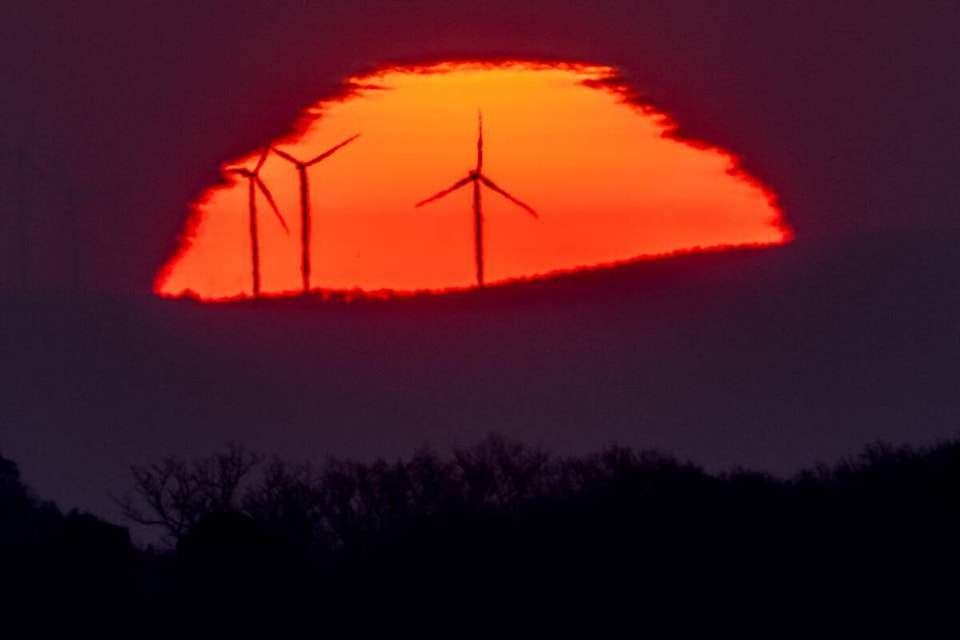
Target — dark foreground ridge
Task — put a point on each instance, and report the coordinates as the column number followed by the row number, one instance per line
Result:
column 502, row 533
column 767, row 358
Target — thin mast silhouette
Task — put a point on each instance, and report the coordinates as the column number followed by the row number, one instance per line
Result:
column 476, row 176
column 28, row 163
column 305, row 221
column 253, row 183
column 73, row 196
column 24, row 219
column 25, row 164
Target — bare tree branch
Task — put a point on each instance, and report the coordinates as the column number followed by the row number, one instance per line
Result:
column 175, row 494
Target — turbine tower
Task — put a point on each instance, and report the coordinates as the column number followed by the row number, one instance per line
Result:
column 477, row 177
column 73, row 197
column 25, row 166
column 253, row 183
column 302, row 166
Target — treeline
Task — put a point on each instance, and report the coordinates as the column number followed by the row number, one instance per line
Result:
column 48, row 555
column 504, row 531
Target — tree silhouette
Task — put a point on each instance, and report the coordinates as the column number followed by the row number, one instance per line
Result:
column 175, row 494
column 509, row 530
column 501, row 472
column 287, row 504
column 22, row 516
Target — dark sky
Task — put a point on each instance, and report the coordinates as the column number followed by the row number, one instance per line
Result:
column 849, row 110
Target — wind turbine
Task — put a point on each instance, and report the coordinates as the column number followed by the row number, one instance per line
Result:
column 25, row 165
column 302, row 166
column 73, row 196
column 476, row 177
column 253, row 183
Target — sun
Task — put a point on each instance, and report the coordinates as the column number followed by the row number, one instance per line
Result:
column 568, row 170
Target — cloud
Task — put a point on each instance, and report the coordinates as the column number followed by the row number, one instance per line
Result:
column 824, row 101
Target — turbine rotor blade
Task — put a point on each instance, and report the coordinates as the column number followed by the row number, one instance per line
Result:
column 285, row 155
column 479, row 141
column 487, row 181
column 263, row 158
column 329, row 152
column 266, row 192
column 447, row 191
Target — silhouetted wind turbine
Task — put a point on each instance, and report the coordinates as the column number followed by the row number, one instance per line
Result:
column 476, row 177
column 254, row 182
column 302, row 166
column 73, row 196
column 25, row 164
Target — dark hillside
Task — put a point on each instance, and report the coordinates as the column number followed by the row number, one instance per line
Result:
column 770, row 358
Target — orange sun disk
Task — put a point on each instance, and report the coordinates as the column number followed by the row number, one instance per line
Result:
column 605, row 176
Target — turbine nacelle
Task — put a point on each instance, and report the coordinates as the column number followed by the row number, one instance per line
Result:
column 476, row 176
column 302, row 166
column 253, row 175
column 254, row 183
